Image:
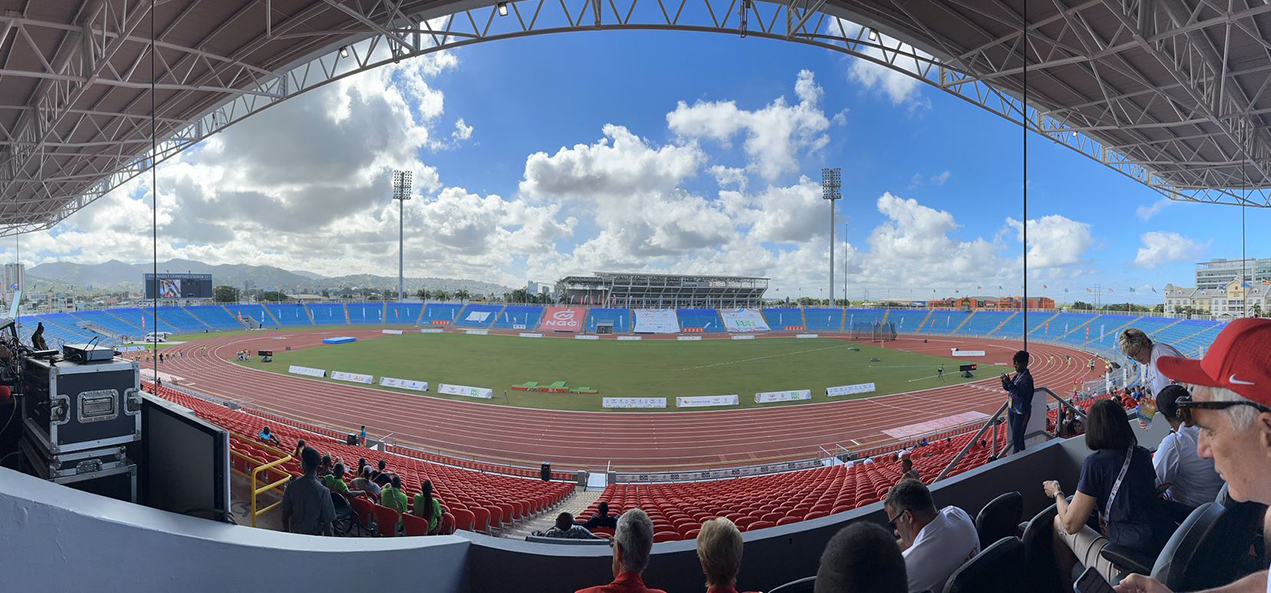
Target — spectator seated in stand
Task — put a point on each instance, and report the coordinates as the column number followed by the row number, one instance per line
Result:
column 300, row 447
column 1188, row 478
column 565, row 529
column 306, row 505
column 427, row 507
column 602, row 518
column 335, row 481
column 1118, row 481
column 907, row 469
column 862, row 558
column 365, row 485
column 934, row 542
column 632, row 542
column 393, row 497
column 384, row 478
column 266, row 436
column 324, row 469
column 719, row 549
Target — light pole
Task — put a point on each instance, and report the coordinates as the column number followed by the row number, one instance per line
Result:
column 401, row 193
column 831, row 181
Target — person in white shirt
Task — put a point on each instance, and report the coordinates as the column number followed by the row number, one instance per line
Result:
column 1136, row 345
column 1191, row 479
column 933, row 542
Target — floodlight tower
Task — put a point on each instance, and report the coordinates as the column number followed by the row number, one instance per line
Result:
column 401, row 193
column 831, row 182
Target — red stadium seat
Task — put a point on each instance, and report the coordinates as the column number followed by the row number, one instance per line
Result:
column 386, row 520
column 414, row 526
column 464, row 519
column 665, row 536
column 760, row 525
column 786, row 520
column 364, row 510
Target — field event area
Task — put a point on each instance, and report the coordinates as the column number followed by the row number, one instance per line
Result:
column 660, row 368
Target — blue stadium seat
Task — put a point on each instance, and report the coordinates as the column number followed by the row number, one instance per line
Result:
column 707, row 320
column 779, row 319
column 403, row 313
column 477, row 315
column 366, row 313
column 327, row 314
column 289, row 314
column 518, row 317
column 620, row 319
column 215, row 316
column 944, row 322
column 440, row 313
column 255, row 313
column 830, row 320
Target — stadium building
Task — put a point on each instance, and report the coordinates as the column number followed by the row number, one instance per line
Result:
column 661, row 291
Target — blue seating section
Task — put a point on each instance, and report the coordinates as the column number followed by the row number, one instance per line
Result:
column 983, row 322
column 255, row 313
column 440, row 312
column 780, row 319
column 289, row 314
column 110, row 323
column 944, row 322
column 1058, row 325
column 215, row 316
column 180, row 319
column 619, row 318
column 327, row 314
column 906, row 320
column 707, row 319
column 1103, row 331
column 518, row 317
column 403, row 313
column 866, row 316
column 135, row 315
column 477, row 316
column 824, row 319
column 366, row 312
column 59, row 329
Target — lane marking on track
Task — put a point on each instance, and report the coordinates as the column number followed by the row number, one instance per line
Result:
column 726, row 363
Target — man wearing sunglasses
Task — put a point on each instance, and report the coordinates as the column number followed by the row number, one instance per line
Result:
column 1231, row 403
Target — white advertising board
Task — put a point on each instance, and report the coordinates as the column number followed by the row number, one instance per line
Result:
column 807, row 336
column 688, row 338
column 404, row 384
column 307, row 371
column 656, row 321
column 351, row 377
column 588, row 337
column 477, row 332
column 630, row 338
column 743, row 320
column 634, row 402
column 768, row 397
column 464, row 390
column 957, row 352
column 432, row 330
column 849, row 389
column 392, row 332
column 743, row 337
column 525, row 335
column 704, row 401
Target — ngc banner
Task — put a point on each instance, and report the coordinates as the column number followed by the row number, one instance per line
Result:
column 743, row 320
column 782, row 396
column 464, row 390
column 704, row 401
column 563, row 319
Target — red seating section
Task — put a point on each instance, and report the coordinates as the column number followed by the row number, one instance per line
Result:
column 476, row 500
column 679, row 509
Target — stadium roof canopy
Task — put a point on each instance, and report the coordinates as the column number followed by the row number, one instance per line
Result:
column 1173, row 93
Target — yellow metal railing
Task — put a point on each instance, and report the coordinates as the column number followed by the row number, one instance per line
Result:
column 254, row 477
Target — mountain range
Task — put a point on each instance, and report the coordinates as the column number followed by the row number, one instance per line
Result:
column 116, row 275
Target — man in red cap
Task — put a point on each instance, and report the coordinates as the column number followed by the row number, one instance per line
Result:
column 1231, row 403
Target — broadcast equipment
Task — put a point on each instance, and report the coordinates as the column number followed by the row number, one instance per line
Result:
column 71, row 406
column 966, row 370
column 265, row 355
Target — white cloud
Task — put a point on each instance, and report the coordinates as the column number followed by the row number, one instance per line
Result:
column 894, row 81
column 1054, row 240
column 941, row 178
column 915, row 181
column 775, row 134
column 1163, row 247
column 840, row 118
column 1146, row 213
column 463, row 131
column 729, row 176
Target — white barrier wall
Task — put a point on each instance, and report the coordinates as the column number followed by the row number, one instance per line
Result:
column 307, row 371
column 849, row 389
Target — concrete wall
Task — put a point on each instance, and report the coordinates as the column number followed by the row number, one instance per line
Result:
column 59, row 539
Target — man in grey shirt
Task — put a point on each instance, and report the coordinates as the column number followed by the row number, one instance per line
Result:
column 566, row 529
column 306, row 504
column 366, row 485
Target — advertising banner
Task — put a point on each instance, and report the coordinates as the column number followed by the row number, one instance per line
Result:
column 587, row 337
column 704, row 401
column 563, row 319
column 477, row 316
column 404, row 384
column 477, row 332
column 808, row 336
column 688, row 338
column 768, row 397
column 957, row 352
column 393, row 332
column 634, row 402
column 743, row 320
column 351, row 377
column 311, row 372
column 656, row 321
column 464, row 390
column 528, row 335
column 743, row 337
column 849, row 389
column 629, row 338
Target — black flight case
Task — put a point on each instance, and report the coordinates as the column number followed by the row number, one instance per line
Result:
column 71, row 406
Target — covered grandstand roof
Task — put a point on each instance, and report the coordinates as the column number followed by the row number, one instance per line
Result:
column 1172, row 93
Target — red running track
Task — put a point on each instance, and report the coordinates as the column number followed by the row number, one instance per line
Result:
column 627, row 440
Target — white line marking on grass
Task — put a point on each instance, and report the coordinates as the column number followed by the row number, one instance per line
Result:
column 744, row 360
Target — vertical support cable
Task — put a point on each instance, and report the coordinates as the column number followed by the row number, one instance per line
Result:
column 1024, row 129
column 154, row 198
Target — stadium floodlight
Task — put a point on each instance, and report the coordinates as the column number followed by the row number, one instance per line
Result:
column 873, row 35
column 344, row 51
column 503, row 9
column 831, row 183
column 401, row 193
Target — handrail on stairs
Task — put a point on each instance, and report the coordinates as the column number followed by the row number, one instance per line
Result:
column 992, row 423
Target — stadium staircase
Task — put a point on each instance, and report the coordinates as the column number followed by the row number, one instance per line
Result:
column 347, row 319
column 1116, row 329
column 964, row 322
column 1152, row 334
column 420, row 318
column 198, row 319
column 925, row 320
column 1043, row 323
column 1079, row 326
column 245, row 324
column 270, row 314
column 886, row 314
column 843, row 321
column 803, row 317
column 308, row 313
column 1003, row 323
column 121, row 319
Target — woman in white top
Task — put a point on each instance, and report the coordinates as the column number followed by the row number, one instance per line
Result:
column 1136, row 345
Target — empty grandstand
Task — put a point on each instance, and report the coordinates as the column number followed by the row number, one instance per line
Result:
column 660, row 291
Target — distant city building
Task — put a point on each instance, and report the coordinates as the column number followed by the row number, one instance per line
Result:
column 657, row 291
column 1227, row 302
column 1218, row 273
column 14, row 280
column 538, row 288
column 992, row 303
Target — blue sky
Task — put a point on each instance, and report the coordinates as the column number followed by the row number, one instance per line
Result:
column 573, row 153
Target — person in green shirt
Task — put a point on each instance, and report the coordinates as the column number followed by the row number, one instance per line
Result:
column 335, row 481
column 427, row 507
column 393, row 497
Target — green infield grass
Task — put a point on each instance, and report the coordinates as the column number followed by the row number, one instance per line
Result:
column 625, row 368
